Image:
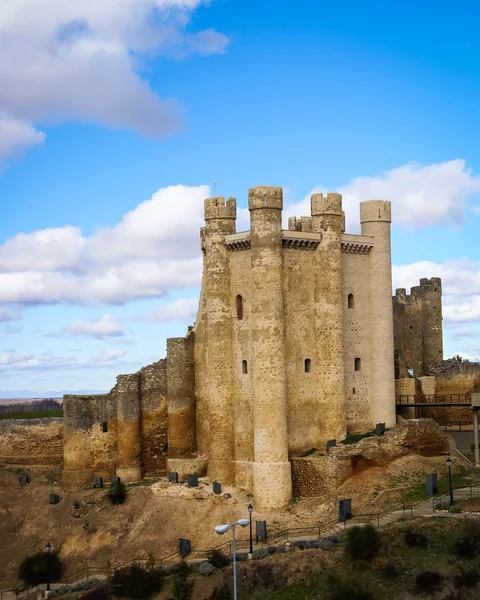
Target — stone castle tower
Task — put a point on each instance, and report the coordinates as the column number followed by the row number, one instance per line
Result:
column 417, row 319
column 293, row 338
column 293, row 346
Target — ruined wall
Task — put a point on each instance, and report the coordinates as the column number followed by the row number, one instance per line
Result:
column 31, row 441
column 121, row 433
column 418, row 327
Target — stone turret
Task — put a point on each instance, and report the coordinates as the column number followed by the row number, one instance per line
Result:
column 328, row 218
column 129, row 415
column 220, row 218
column 272, row 483
column 375, row 219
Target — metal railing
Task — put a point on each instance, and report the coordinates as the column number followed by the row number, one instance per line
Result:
column 433, row 399
column 468, row 489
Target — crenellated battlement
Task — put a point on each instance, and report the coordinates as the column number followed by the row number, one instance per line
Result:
column 219, row 208
column 432, row 285
column 416, row 292
column 331, row 204
column 300, row 224
column 265, row 196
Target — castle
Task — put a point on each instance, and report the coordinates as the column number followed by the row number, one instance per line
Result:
column 293, row 346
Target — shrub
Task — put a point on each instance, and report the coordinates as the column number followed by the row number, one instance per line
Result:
column 455, row 509
column 429, row 581
column 182, row 583
column 466, row 578
column 389, row 571
column 206, row 569
column 362, row 542
column 117, row 494
column 135, row 582
column 415, row 539
column 259, row 575
column 33, row 569
column 222, row 593
column 218, row 559
column 466, row 548
column 260, row 553
column 442, row 506
column 347, row 588
column 104, row 592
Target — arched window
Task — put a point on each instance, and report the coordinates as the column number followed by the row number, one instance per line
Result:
column 351, row 301
column 244, row 367
column 308, row 365
column 104, row 427
column 239, row 303
column 354, row 391
column 358, row 364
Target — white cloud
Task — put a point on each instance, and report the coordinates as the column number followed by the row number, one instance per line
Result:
column 421, row 196
column 9, row 315
column 12, row 329
column 183, row 309
column 106, row 326
column 16, row 136
column 154, row 248
column 48, row 361
column 79, row 59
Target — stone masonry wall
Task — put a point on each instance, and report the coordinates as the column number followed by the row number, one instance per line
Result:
column 31, row 441
column 318, row 475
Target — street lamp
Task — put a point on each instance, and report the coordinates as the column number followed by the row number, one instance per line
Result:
column 250, row 511
column 449, row 464
column 221, row 529
column 48, row 548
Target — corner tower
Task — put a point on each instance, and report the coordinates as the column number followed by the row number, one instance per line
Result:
column 375, row 218
column 272, row 482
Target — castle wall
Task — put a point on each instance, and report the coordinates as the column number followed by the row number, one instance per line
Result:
column 306, row 419
column 153, row 391
column 357, row 340
column 31, row 441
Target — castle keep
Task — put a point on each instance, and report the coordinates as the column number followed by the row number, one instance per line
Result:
column 293, row 345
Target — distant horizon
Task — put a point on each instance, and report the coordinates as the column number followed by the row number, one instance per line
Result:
column 24, row 396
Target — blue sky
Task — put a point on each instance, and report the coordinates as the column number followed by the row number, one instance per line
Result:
column 105, row 106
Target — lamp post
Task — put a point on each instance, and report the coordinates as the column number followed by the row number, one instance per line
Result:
column 221, row 529
column 250, row 511
column 449, row 464
column 48, row 548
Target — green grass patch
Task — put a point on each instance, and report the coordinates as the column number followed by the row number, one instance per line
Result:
column 353, row 438
column 309, row 452
column 38, row 414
